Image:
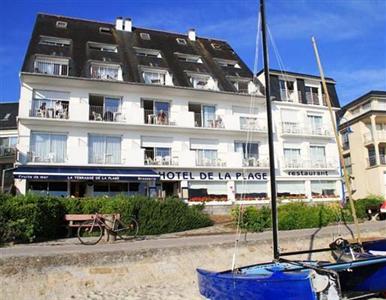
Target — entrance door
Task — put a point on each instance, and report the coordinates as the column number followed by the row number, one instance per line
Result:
column 78, row 189
column 170, row 188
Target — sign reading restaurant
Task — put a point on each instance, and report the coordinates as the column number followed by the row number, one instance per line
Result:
column 308, row 173
column 187, row 175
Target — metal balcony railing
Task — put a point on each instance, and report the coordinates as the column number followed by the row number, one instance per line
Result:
column 106, row 114
column 216, row 122
column 256, row 162
column 304, row 129
column 51, row 157
column 207, row 162
column 253, row 124
column 380, row 134
column 310, row 164
column 50, row 109
column 51, row 68
column 312, row 98
column 161, row 160
column 105, row 72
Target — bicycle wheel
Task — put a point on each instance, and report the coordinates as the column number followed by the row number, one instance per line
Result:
column 90, row 233
column 128, row 230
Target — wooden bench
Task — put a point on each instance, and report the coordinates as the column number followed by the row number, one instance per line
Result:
column 75, row 220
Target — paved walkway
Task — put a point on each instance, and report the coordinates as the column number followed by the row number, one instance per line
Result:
column 219, row 234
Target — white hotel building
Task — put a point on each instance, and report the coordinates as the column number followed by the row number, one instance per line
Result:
column 108, row 109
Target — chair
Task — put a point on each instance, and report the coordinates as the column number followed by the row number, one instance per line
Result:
column 96, row 116
column 158, row 160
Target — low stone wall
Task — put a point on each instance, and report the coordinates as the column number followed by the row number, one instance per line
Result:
column 158, row 273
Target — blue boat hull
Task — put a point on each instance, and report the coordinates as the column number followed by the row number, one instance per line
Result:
column 286, row 281
column 377, row 245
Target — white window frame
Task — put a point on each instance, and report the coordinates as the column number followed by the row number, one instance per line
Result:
column 189, row 58
column 161, row 74
column 61, row 24
column 54, row 41
column 52, row 61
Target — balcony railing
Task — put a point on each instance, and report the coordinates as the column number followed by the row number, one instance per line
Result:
column 293, row 128
column 286, row 95
column 7, row 151
column 52, row 157
column 380, row 134
column 159, row 118
column 256, row 162
column 312, row 98
column 50, row 109
column 51, row 68
column 310, row 164
column 105, row 72
column 216, row 122
column 100, row 113
column 161, row 161
column 207, row 162
column 253, row 124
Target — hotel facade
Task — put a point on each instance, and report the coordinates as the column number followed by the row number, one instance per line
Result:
column 363, row 132
column 111, row 108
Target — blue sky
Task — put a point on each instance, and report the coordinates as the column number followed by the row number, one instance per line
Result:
column 351, row 34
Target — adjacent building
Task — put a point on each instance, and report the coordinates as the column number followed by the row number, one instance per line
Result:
column 8, row 142
column 112, row 108
column 363, row 132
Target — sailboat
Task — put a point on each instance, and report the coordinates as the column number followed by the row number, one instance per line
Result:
column 290, row 279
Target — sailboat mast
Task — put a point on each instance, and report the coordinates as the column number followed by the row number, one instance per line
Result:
column 338, row 142
column 272, row 174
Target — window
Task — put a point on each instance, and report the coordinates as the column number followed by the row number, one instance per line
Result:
column 205, row 116
column 106, row 71
column 109, row 188
column 156, row 112
column 134, row 186
column 144, row 36
column 345, row 140
column 318, row 156
column 241, row 85
column 201, row 191
column 48, row 147
column 227, row 63
column 61, row 24
column 246, row 190
column 105, row 108
column 206, row 157
column 316, row 123
column 347, row 163
column 366, row 106
column 104, row 149
column 292, row 157
column 372, row 157
column 54, row 41
column 312, row 95
column 189, row 58
column 105, row 30
column 103, row 47
column 50, row 104
column 158, row 156
column 8, row 146
column 53, row 188
column 250, row 123
column 286, row 90
column 181, row 41
column 291, row 190
column 153, row 77
column 323, row 189
column 148, row 52
column 51, row 66
column 249, row 153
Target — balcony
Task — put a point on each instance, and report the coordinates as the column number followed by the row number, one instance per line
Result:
column 100, row 113
column 256, row 162
column 7, row 152
column 106, row 71
column 253, row 124
column 216, row 122
column 372, row 161
column 293, row 128
column 310, row 164
column 51, row 67
column 380, row 135
column 52, row 157
column 289, row 95
column 210, row 162
column 161, row 160
column 157, row 118
column 50, row 109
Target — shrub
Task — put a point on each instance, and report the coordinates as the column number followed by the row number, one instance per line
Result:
column 33, row 217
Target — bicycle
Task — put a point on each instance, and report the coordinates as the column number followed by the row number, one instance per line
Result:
column 90, row 232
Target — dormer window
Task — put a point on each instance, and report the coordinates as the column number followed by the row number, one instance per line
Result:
column 103, row 47
column 105, row 30
column 106, row 71
column 144, row 36
column 202, row 81
column 51, row 66
column 189, row 58
column 181, row 41
column 61, row 24
column 241, row 85
column 216, row 46
column 54, row 41
column 148, row 52
column 227, row 63
column 154, row 77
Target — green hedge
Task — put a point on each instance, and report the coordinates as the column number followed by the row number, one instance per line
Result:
column 32, row 217
column 298, row 215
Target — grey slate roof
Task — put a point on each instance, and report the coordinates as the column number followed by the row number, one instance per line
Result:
column 8, row 114
column 80, row 32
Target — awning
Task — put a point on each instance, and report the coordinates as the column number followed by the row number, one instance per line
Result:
column 84, row 173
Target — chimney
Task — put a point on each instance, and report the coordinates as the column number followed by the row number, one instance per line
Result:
column 128, row 25
column 192, row 34
column 119, row 23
